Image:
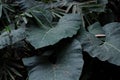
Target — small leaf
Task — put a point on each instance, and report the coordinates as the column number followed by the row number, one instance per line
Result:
column 7, row 28
column 68, row 65
column 27, row 14
column 15, row 71
column 10, row 74
column 25, row 20
column 96, row 28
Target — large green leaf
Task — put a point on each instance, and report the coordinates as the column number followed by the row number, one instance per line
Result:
column 67, row 27
column 68, row 64
column 110, row 49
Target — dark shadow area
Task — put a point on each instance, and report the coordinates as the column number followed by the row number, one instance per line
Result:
column 95, row 69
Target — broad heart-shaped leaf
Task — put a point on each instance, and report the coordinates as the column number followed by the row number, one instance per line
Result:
column 68, row 65
column 110, row 49
column 67, row 27
column 96, row 28
column 7, row 38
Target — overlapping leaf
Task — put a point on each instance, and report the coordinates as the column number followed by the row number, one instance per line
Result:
column 110, row 49
column 96, row 28
column 67, row 27
column 68, row 65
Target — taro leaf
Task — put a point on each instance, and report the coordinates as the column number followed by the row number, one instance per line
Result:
column 110, row 49
column 25, row 4
column 67, row 27
column 7, row 38
column 88, row 40
column 68, row 65
column 96, row 28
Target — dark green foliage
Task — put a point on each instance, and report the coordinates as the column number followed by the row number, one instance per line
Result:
column 49, row 37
